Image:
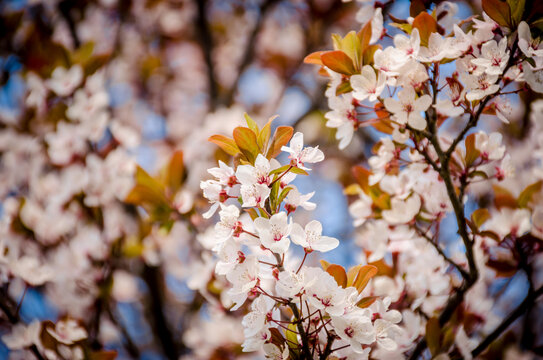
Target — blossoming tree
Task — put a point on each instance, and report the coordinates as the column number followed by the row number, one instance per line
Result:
column 144, row 213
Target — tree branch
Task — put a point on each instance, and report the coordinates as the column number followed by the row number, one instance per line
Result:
column 207, row 48
column 528, row 301
column 153, row 279
column 249, row 49
column 9, row 307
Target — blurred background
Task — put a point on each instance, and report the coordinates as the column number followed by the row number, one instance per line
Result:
column 141, row 79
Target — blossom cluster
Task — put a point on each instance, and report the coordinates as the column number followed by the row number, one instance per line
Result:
column 294, row 308
column 436, row 77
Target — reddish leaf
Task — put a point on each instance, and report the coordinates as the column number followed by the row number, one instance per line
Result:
column 351, row 274
column 503, row 198
column 362, row 175
column 471, row 152
column 314, row 58
column 338, row 272
column 426, row 25
column 416, row 7
column 175, row 171
column 365, row 36
column 365, row 274
column 281, row 137
column 498, row 11
column 339, row 62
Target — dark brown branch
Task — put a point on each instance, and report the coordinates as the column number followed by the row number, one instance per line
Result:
column 206, row 43
column 305, row 341
column 128, row 344
column 65, row 8
column 249, row 49
column 521, row 309
column 9, row 307
column 154, row 280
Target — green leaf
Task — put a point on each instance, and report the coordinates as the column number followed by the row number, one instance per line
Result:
column 283, row 194
column 366, row 301
column 280, row 170
column 146, row 190
column 367, row 58
column 344, row 87
column 527, row 194
column 83, row 53
column 480, row 216
column 351, row 46
column 517, row 11
column 274, row 194
column 292, row 338
column 498, row 11
column 251, row 123
column 478, row 173
column 433, row 335
column 281, row 137
column 298, row 171
column 264, row 134
column 228, row 145
column 339, row 62
column 246, row 141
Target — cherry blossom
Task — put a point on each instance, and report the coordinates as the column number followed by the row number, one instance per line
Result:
column 301, row 155
column 367, row 85
column 310, row 237
column 407, row 109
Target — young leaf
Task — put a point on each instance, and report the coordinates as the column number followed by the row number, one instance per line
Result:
column 498, row 11
column 314, row 58
column 364, row 36
column 246, row 141
column 264, row 135
column 175, row 172
column 365, row 273
column 292, row 337
column 362, row 175
column 251, row 123
column 228, row 145
column 416, row 7
column 433, row 335
column 471, row 152
column 426, row 25
column 366, row 301
column 281, row 137
column 338, row 272
column 339, row 62
column 527, row 194
column 504, row 198
column 351, row 46
column 480, row 216
column 351, row 274
column 325, row 264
